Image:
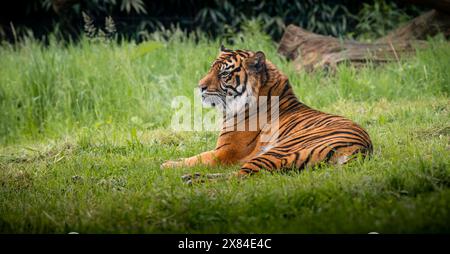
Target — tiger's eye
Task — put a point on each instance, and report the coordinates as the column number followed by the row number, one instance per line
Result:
column 224, row 74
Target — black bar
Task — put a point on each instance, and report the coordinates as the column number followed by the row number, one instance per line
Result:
column 224, row 243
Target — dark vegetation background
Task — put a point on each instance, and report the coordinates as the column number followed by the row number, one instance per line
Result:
column 137, row 19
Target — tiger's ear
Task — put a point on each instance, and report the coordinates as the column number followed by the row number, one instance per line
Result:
column 257, row 62
column 223, row 49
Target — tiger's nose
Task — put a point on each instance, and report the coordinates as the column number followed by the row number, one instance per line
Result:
column 202, row 87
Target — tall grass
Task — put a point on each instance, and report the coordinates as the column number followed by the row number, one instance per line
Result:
column 50, row 90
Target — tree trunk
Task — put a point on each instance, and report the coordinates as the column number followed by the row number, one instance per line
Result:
column 428, row 24
column 313, row 51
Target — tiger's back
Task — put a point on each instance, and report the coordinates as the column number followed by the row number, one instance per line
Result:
column 308, row 137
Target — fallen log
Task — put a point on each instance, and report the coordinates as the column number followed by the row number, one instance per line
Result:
column 312, row 51
column 426, row 25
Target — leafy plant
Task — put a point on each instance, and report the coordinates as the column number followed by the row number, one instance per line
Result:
column 95, row 33
column 137, row 5
column 379, row 18
column 138, row 19
column 323, row 17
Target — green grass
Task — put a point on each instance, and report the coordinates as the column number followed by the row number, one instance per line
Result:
column 84, row 128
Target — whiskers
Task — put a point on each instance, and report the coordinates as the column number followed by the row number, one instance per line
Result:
column 233, row 104
column 214, row 100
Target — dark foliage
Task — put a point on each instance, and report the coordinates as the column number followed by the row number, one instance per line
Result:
column 134, row 17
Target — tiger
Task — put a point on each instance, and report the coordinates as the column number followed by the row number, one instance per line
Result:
column 305, row 136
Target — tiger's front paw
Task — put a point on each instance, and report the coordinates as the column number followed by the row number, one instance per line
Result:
column 201, row 178
column 172, row 164
column 190, row 179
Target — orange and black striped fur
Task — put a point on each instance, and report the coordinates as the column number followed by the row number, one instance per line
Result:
column 305, row 138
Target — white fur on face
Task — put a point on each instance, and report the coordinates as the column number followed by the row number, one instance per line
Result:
column 209, row 100
column 232, row 105
column 237, row 105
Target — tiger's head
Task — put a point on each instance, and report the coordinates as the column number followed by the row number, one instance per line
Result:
column 234, row 79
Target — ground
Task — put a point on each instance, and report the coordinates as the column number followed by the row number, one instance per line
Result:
column 85, row 127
